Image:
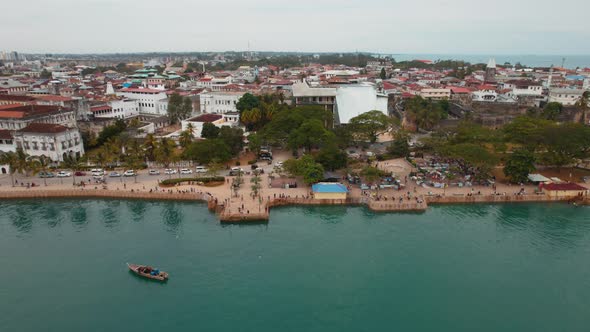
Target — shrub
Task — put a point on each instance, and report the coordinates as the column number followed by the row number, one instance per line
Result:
column 252, row 162
column 172, row 182
column 238, row 163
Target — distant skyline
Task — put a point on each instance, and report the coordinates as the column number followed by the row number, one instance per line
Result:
column 376, row 26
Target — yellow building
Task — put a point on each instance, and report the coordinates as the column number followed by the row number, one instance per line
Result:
column 564, row 190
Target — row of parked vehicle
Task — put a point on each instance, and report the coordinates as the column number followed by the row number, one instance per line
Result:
column 100, row 173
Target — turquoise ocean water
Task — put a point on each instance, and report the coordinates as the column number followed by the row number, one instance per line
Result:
column 453, row 268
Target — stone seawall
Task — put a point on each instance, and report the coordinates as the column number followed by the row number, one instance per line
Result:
column 29, row 194
column 227, row 215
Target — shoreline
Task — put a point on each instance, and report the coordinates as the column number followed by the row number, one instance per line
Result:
column 225, row 214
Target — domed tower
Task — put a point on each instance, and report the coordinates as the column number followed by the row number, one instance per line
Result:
column 491, row 71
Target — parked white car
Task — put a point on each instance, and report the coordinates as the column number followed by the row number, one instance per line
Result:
column 169, row 171
column 97, row 172
column 201, row 169
column 279, row 164
column 129, row 172
column 154, row 172
column 186, row 171
column 63, row 174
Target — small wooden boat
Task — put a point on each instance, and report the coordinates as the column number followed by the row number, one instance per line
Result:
column 148, row 272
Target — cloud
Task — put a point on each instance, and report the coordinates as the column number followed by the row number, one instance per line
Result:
column 391, row 26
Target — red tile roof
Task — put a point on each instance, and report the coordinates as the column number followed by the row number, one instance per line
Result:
column 43, row 128
column 564, row 187
column 53, row 98
column 460, row 90
column 100, row 108
column 5, row 134
column 206, row 118
column 18, row 98
column 142, row 90
column 23, row 111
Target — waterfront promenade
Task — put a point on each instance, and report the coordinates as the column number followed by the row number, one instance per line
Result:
column 242, row 206
column 245, row 209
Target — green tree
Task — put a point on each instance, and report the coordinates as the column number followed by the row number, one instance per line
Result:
column 519, row 165
column 399, row 148
column 583, row 105
column 368, row 126
column 185, row 139
column 10, row 159
column 186, row 108
column 247, row 102
column 209, row 130
column 383, row 74
column 149, row 145
column 526, row 131
column 233, row 138
column 175, row 108
column 309, row 135
column 426, row 114
column 311, row 171
column 45, row 74
column 565, row 143
column 371, row 174
column 72, row 163
column 255, row 180
column 205, row 151
column 165, row 153
column 552, row 110
column 332, row 158
column 254, row 143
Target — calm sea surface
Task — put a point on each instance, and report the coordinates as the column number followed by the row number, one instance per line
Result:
column 569, row 61
column 453, row 268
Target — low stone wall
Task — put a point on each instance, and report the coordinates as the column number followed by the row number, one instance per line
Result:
column 492, row 199
column 98, row 193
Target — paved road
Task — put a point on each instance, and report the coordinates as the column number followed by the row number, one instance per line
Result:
column 143, row 176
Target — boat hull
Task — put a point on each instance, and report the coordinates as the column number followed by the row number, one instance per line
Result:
column 163, row 276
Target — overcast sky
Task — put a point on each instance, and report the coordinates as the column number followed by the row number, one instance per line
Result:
column 386, row 26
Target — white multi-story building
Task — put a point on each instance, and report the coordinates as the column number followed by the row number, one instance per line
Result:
column 354, row 100
column 50, row 140
column 524, row 88
column 13, row 87
column 150, row 101
column 219, row 102
column 118, row 108
column 566, row 97
column 345, row 102
column 213, row 83
column 18, row 117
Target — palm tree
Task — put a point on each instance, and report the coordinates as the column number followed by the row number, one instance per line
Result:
column 9, row 158
column 190, row 129
column 149, row 145
column 41, row 163
column 71, row 162
column 185, row 139
column 583, row 105
column 165, row 152
column 24, row 164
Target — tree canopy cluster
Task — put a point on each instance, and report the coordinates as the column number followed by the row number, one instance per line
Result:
column 525, row 142
column 426, row 113
column 179, row 108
